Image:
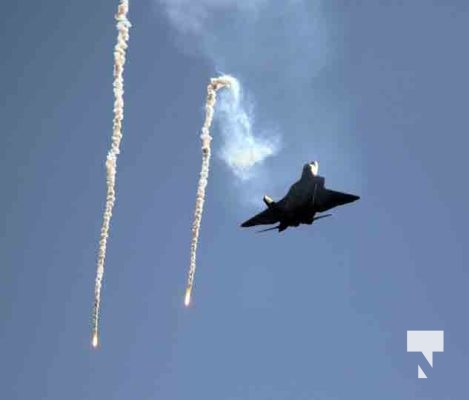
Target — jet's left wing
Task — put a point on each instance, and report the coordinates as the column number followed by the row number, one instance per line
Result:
column 266, row 217
column 328, row 199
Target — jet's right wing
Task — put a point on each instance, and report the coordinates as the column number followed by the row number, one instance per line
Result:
column 266, row 217
column 328, row 199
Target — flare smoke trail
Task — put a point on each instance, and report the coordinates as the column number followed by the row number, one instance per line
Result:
column 212, row 88
column 123, row 26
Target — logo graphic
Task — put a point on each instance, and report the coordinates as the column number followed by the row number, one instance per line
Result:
column 425, row 342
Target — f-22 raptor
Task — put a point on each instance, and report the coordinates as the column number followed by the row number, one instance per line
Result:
column 305, row 198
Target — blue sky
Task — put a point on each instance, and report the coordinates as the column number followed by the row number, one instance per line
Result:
column 376, row 91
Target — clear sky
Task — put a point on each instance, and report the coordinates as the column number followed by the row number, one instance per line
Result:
column 377, row 91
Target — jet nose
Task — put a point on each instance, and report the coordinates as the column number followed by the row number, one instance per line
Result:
column 314, row 165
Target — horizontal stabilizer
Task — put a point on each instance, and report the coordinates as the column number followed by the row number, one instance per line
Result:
column 266, row 217
column 321, row 216
column 269, row 229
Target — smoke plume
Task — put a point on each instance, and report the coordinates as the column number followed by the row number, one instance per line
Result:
column 123, row 26
column 275, row 48
column 241, row 149
column 192, row 16
column 212, row 88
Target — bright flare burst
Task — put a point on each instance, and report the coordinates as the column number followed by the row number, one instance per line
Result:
column 123, row 26
column 214, row 85
column 187, row 298
column 94, row 341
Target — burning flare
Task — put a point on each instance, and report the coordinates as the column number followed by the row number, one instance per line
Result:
column 123, row 26
column 187, row 298
column 214, row 85
column 94, row 341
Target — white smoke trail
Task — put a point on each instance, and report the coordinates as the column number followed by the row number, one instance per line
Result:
column 191, row 16
column 241, row 149
column 212, row 88
column 123, row 26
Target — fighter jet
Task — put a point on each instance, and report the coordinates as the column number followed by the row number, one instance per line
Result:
column 304, row 200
